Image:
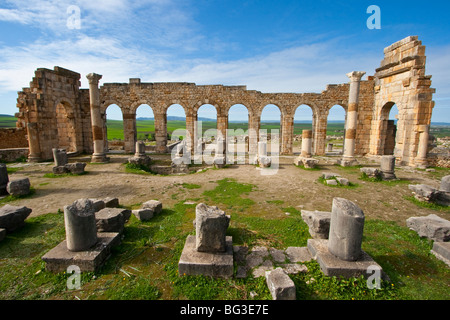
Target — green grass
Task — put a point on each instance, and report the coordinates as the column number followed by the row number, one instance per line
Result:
column 63, row 175
column 10, row 198
column 428, row 205
column 145, row 264
column 191, row 186
column 339, row 185
column 138, row 169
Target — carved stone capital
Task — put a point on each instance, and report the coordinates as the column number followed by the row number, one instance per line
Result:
column 356, row 76
column 94, row 78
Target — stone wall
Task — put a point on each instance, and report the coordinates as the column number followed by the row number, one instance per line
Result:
column 57, row 113
column 13, row 138
column 13, row 154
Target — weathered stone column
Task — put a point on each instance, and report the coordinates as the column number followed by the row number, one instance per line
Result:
column 222, row 126
column 287, row 134
column 33, row 142
column 81, row 228
column 191, row 141
column 348, row 158
column 306, row 143
column 253, row 134
column 421, row 159
column 161, row 132
column 96, row 119
column 129, row 132
column 320, row 133
column 4, row 179
column 346, row 230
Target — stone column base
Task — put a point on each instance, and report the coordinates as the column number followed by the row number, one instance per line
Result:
column 99, row 158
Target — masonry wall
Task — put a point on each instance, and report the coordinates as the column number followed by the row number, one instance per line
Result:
column 13, row 138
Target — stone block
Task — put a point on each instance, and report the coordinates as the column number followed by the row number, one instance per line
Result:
column 60, row 170
column 329, row 175
column 98, row 204
column 75, row 168
column 442, row 251
column 112, row 219
column 333, row 266
column 19, row 187
column 211, row 225
column 13, row 217
column 298, row 254
column 4, row 179
column 371, row 172
column 423, row 192
column 431, row 226
column 154, row 205
column 445, row 184
column 59, row 258
column 281, row 287
column 310, row 163
column 318, row 223
column 217, row 265
column 111, row 202
column 342, row 181
column 143, row 214
column 331, row 182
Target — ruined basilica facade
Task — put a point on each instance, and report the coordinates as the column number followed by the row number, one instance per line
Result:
column 57, row 113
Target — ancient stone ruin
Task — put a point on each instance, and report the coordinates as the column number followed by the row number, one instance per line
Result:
column 210, row 251
column 341, row 253
column 85, row 246
column 57, row 113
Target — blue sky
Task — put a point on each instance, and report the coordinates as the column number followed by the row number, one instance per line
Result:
column 270, row 46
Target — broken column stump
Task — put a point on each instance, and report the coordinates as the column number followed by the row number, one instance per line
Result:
column 210, row 251
column 342, row 255
column 84, row 246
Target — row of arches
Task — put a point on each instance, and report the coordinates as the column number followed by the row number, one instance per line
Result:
column 238, row 118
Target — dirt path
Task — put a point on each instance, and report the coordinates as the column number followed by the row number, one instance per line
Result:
column 290, row 186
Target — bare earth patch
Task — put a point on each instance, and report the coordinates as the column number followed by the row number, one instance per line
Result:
column 289, row 187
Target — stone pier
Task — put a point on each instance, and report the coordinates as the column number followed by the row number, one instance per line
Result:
column 348, row 158
column 210, row 251
column 96, row 119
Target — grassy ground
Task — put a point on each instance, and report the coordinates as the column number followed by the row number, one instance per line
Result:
column 145, row 265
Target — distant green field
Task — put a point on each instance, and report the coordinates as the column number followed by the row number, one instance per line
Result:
column 7, row 122
column 146, row 127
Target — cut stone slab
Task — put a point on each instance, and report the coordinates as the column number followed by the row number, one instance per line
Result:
column 260, row 271
column 19, row 187
column 143, row 214
column 98, row 204
column 111, row 202
column 2, row 234
column 342, row 181
column 217, row 265
column 13, row 217
column 331, row 182
column 154, row 205
column 371, row 172
column 281, row 287
column 4, row 179
column 294, row 268
column 333, row 266
column 329, row 175
column 445, row 184
column 298, row 254
column 112, row 219
column 76, row 168
column 59, row 258
column 423, row 192
column 442, row 251
column 318, row 223
column 431, row 226
column 277, row 255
